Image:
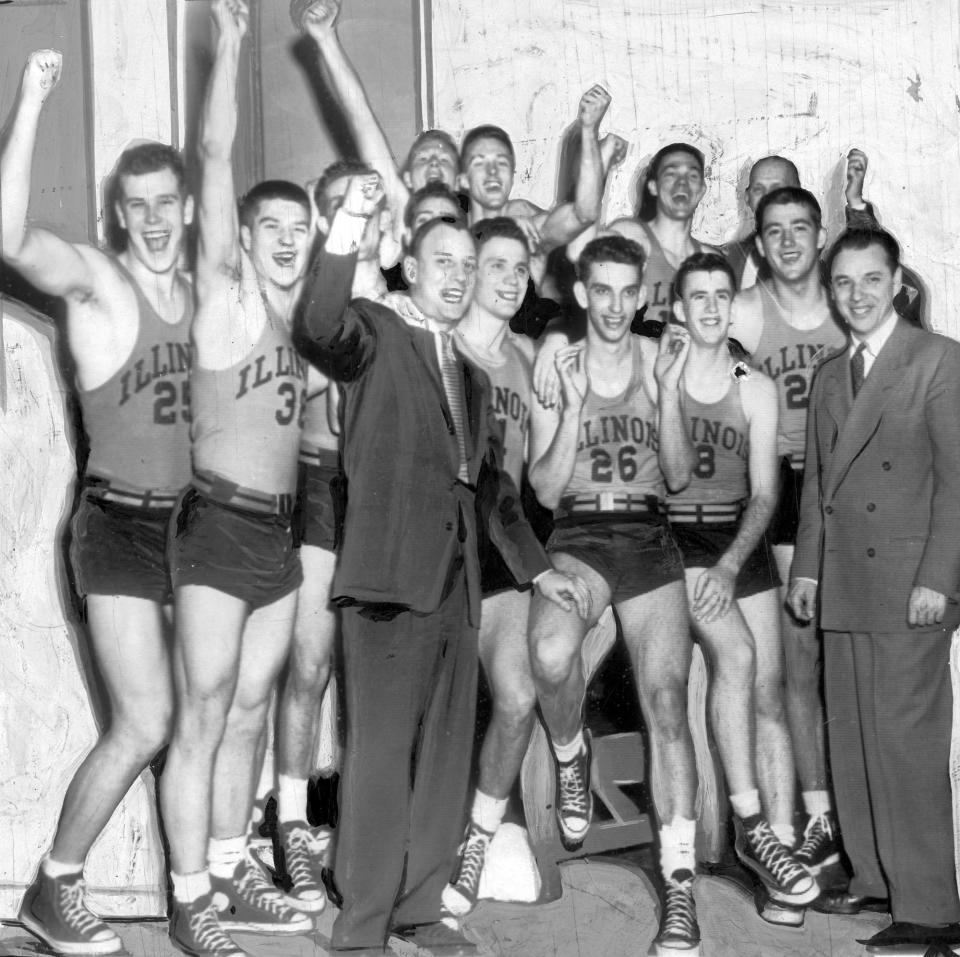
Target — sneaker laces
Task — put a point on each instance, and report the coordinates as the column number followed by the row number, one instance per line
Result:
column 473, row 853
column 74, row 911
column 679, row 912
column 774, row 856
column 574, row 797
column 819, row 829
column 256, row 890
column 210, row 936
column 304, row 853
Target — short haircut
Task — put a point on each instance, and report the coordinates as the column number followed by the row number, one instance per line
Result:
column 784, row 196
column 776, row 158
column 149, row 157
column 442, row 137
column 864, row 239
column 703, row 262
column 499, row 227
column 418, row 238
column 337, row 170
column 488, row 131
column 647, row 206
column 432, row 190
column 610, row 249
column 269, row 189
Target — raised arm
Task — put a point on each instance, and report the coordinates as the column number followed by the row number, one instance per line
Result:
column 319, row 21
column 328, row 331
column 49, row 262
column 218, row 250
column 568, row 220
column 554, row 433
column 676, row 455
column 714, row 590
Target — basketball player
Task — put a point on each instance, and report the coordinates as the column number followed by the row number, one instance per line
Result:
column 718, row 521
column 604, row 462
column 788, row 327
column 484, row 337
column 235, row 570
column 128, row 331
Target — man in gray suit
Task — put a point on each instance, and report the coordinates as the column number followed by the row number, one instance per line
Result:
column 878, row 561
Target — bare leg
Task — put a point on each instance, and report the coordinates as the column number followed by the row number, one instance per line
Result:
column 308, row 669
column 729, row 645
column 505, row 655
column 131, row 651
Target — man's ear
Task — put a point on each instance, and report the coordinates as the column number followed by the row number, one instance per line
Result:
column 580, row 294
column 121, row 219
column 652, row 186
column 405, row 176
column 188, row 210
column 898, row 279
column 323, row 224
column 641, row 297
column 463, row 184
column 821, row 238
column 410, row 270
column 679, row 312
column 759, row 245
column 245, row 238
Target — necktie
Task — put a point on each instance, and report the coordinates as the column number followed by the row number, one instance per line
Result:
column 451, row 385
column 856, row 369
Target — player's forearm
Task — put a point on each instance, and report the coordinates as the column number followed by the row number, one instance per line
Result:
column 16, row 162
column 219, row 119
column 551, row 473
column 363, row 124
column 676, row 453
column 590, row 177
column 753, row 524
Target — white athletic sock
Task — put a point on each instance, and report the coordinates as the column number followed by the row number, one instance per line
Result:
column 746, row 803
column 487, row 812
column 224, row 854
column 53, row 868
column 817, row 802
column 190, row 887
column 786, row 834
column 567, row 752
column 291, row 798
column 677, row 846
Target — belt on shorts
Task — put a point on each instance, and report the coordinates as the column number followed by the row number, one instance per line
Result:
column 714, row 513
column 222, row 490
column 110, row 491
column 316, row 455
column 638, row 506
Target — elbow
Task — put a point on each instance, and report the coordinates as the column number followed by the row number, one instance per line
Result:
column 677, row 480
column 547, row 497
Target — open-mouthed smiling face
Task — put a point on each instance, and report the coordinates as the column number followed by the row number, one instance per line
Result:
column 488, row 172
column 278, row 242
column 790, row 240
column 611, row 295
column 443, row 273
column 679, row 185
column 155, row 216
column 503, row 269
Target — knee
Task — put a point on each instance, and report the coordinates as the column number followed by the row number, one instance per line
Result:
column 144, row 732
column 736, row 661
column 667, row 705
column 307, row 674
column 514, row 705
column 551, row 660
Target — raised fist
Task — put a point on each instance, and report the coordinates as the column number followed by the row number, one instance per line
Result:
column 315, row 17
column 231, row 17
column 42, row 73
column 613, row 149
column 364, row 195
column 593, row 105
column 856, row 172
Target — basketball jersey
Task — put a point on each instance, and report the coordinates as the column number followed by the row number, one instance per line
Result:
column 247, row 418
column 658, row 276
column 511, row 383
column 618, row 442
column 138, row 421
column 721, row 439
column 790, row 357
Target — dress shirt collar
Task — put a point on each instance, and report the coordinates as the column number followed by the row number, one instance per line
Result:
column 874, row 342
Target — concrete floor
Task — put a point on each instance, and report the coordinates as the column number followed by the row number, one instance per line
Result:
column 607, row 910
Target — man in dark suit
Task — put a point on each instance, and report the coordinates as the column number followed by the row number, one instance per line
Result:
column 419, row 457
column 878, row 561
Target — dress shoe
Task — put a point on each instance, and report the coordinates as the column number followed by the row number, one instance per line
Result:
column 843, row 902
column 437, row 938
column 914, row 940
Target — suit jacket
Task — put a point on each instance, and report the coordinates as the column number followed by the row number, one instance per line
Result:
column 880, row 509
column 408, row 518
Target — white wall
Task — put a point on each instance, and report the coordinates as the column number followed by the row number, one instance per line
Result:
column 740, row 79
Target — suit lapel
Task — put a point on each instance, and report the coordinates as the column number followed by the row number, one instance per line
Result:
column 865, row 413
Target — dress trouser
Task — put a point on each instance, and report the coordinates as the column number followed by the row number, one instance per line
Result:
column 411, row 687
column 889, row 714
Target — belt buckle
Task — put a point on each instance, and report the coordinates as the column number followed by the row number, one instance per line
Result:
column 605, row 500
